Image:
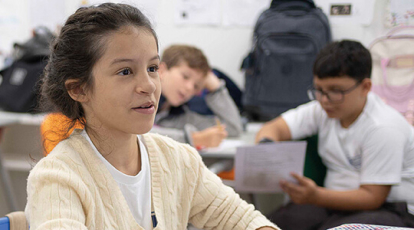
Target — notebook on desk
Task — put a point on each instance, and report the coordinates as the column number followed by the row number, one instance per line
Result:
column 227, row 149
column 259, row 168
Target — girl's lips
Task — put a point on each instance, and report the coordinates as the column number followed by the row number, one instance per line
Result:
column 149, row 110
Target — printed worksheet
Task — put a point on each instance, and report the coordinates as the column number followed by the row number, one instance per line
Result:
column 259, row 168
column 198, row 12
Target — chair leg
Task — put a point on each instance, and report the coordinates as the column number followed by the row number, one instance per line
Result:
column 7, row 186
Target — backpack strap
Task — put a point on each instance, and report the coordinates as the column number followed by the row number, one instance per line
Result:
column 399, row 29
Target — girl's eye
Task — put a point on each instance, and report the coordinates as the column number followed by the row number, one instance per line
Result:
column 153, row 69
column 185, row 76
column 125, row 71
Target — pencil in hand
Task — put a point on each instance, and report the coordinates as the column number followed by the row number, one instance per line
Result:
column 218, row 123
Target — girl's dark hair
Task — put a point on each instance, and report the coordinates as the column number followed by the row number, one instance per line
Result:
column 78, row 47
column 343, row 58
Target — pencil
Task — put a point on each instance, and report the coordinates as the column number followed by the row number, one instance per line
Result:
column 218, row 123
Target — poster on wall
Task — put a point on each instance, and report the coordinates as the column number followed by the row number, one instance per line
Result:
column 243, row 12
column 147, row 7
column 47, row 13
column 10, row 19
column 197, row 12
column 348, row 12
column 401, row 13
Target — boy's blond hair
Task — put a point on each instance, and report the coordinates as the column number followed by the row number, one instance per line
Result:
column 190, row 55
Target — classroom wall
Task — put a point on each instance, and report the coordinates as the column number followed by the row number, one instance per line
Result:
column 225, row 46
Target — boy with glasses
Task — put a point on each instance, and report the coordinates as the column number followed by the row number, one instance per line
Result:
column 367, row 147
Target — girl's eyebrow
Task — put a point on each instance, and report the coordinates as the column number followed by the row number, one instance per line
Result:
column 118, row 60
column 155, row 57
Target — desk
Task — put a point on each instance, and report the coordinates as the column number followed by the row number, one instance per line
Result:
column 14, row 163
column 222, row 158
column 227, row 150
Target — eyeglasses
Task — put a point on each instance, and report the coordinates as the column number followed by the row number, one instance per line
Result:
column 334, row 96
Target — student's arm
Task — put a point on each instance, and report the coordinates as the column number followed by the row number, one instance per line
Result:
column 216, row 206
column 276, row 130
column 53, row 198
column 381, row 167
column 210, row 137
column 297, row 123
column 222, row 105
column 366, row 197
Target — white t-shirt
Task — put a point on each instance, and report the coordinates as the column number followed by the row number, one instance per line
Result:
column 136, row 189
column 378, row 148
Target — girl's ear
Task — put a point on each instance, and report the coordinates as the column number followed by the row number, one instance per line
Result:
column 76, row 91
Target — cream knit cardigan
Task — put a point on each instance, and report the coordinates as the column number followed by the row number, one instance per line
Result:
column 72, row 189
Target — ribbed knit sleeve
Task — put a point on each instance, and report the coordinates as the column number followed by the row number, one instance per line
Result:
column 217, row 206
column 55, row 197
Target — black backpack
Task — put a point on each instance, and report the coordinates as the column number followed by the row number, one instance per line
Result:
column 18, row 85
column 278, row 71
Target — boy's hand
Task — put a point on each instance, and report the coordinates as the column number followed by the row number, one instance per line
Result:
column 212, row 83
column 305, row 192
column 210, row 137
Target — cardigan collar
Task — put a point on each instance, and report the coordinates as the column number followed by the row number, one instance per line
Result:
column 108, row 186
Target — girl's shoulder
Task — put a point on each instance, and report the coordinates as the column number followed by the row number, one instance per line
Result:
column 62, row 154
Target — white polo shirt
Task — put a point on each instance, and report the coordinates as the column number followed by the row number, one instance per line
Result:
column 378, row 148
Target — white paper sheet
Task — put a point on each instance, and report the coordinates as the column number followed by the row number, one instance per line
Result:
column 198, row 12
column 243, row 12
column 13, row 22
column 47, row 13
column 226, row 146
column 259, row 168
column 148, row 7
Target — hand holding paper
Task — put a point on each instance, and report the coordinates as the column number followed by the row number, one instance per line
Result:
column 303, row 192
column 259, row 168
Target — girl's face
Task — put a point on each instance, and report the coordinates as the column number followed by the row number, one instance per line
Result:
column 126, row 87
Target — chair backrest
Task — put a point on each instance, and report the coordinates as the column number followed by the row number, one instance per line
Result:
column 4, row 223
column 14, row 221
column 393, row 69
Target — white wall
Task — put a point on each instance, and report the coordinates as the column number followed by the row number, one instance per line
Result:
column 224, row 46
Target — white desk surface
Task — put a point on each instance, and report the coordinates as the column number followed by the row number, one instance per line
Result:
column 9, row 118
column 228, row 147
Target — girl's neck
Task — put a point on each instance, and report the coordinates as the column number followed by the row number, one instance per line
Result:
column 121, row 151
